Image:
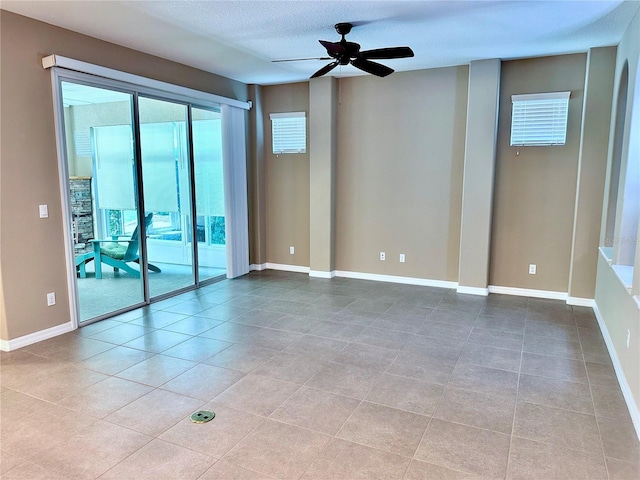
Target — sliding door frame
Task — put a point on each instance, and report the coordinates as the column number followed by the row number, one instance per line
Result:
column 57, row 77
column 142, row 225
column 192, row 188
column 149, row 89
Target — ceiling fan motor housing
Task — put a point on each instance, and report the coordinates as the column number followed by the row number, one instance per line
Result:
column 343, row 51
column 346, row 53
column 343, row 28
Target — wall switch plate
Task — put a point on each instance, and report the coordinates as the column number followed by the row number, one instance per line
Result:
column 532, row 269
column 292, row 250
column 383, row 256
column 43, row 210
column 628, row 337
column 402, row 258
column 51, row 299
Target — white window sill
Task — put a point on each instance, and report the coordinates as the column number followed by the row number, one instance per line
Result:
column 607, row 254
column 624, row 274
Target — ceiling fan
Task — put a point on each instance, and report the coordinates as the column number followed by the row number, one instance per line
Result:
column 345, row 53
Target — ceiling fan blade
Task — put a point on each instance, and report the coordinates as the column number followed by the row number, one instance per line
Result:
column 333, row 48
column 325, row 69
column 387, row 53
column 373, row 68
column 300, row 59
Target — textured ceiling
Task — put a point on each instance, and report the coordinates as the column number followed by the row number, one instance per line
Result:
column 238, row 39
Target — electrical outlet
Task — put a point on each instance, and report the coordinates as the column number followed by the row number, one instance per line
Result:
column 532, row 269
column 402, row 258
column 383, row 256
column 292, row 250
column 51, row 299
column 628, row 337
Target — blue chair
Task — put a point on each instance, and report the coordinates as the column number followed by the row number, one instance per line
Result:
column 120, row 253
column 81, row 263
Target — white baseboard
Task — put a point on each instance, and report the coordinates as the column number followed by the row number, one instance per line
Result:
column 634, row 411
column 527, row 292
column 424, row 282
column 357, row 275
column 322, row 274
column 581, row 302
column 257, row 267
column 473, row 290
column 287, row 268
column 30, row 339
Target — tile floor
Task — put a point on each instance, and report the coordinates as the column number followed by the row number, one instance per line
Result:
column 321, row 379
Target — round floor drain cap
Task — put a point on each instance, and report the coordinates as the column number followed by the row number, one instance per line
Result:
column 202, row 416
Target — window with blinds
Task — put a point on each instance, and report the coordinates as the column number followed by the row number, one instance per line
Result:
column 289, row 132
column 539, row 119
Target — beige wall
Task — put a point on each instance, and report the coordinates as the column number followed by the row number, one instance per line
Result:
column 286, row 182
column 399, row 178
column 535, row 190
column 3, row 312
column 615, row 304
column 32, row 249
column 399, row 172
column 620, row 314
column 592, row 168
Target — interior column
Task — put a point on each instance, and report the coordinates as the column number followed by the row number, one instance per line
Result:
column 256, row 180
column 479, row 168
column 322, row 147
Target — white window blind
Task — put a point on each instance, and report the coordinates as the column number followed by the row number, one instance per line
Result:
column 289, row 132
column 539, row 118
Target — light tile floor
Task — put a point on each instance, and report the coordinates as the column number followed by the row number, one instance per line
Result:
column 321, row 379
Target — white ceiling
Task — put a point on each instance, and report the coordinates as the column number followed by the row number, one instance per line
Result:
column 239, row 38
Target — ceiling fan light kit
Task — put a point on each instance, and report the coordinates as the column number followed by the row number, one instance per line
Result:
column 348, row 53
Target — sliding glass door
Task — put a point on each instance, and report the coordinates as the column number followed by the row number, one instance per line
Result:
column 145, row 178
column 103, row 182
column 210, row 195
column 167, row 195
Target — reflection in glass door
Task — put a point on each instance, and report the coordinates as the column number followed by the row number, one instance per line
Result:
column 209, row 181
column 103, row 196
column 167, row 195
